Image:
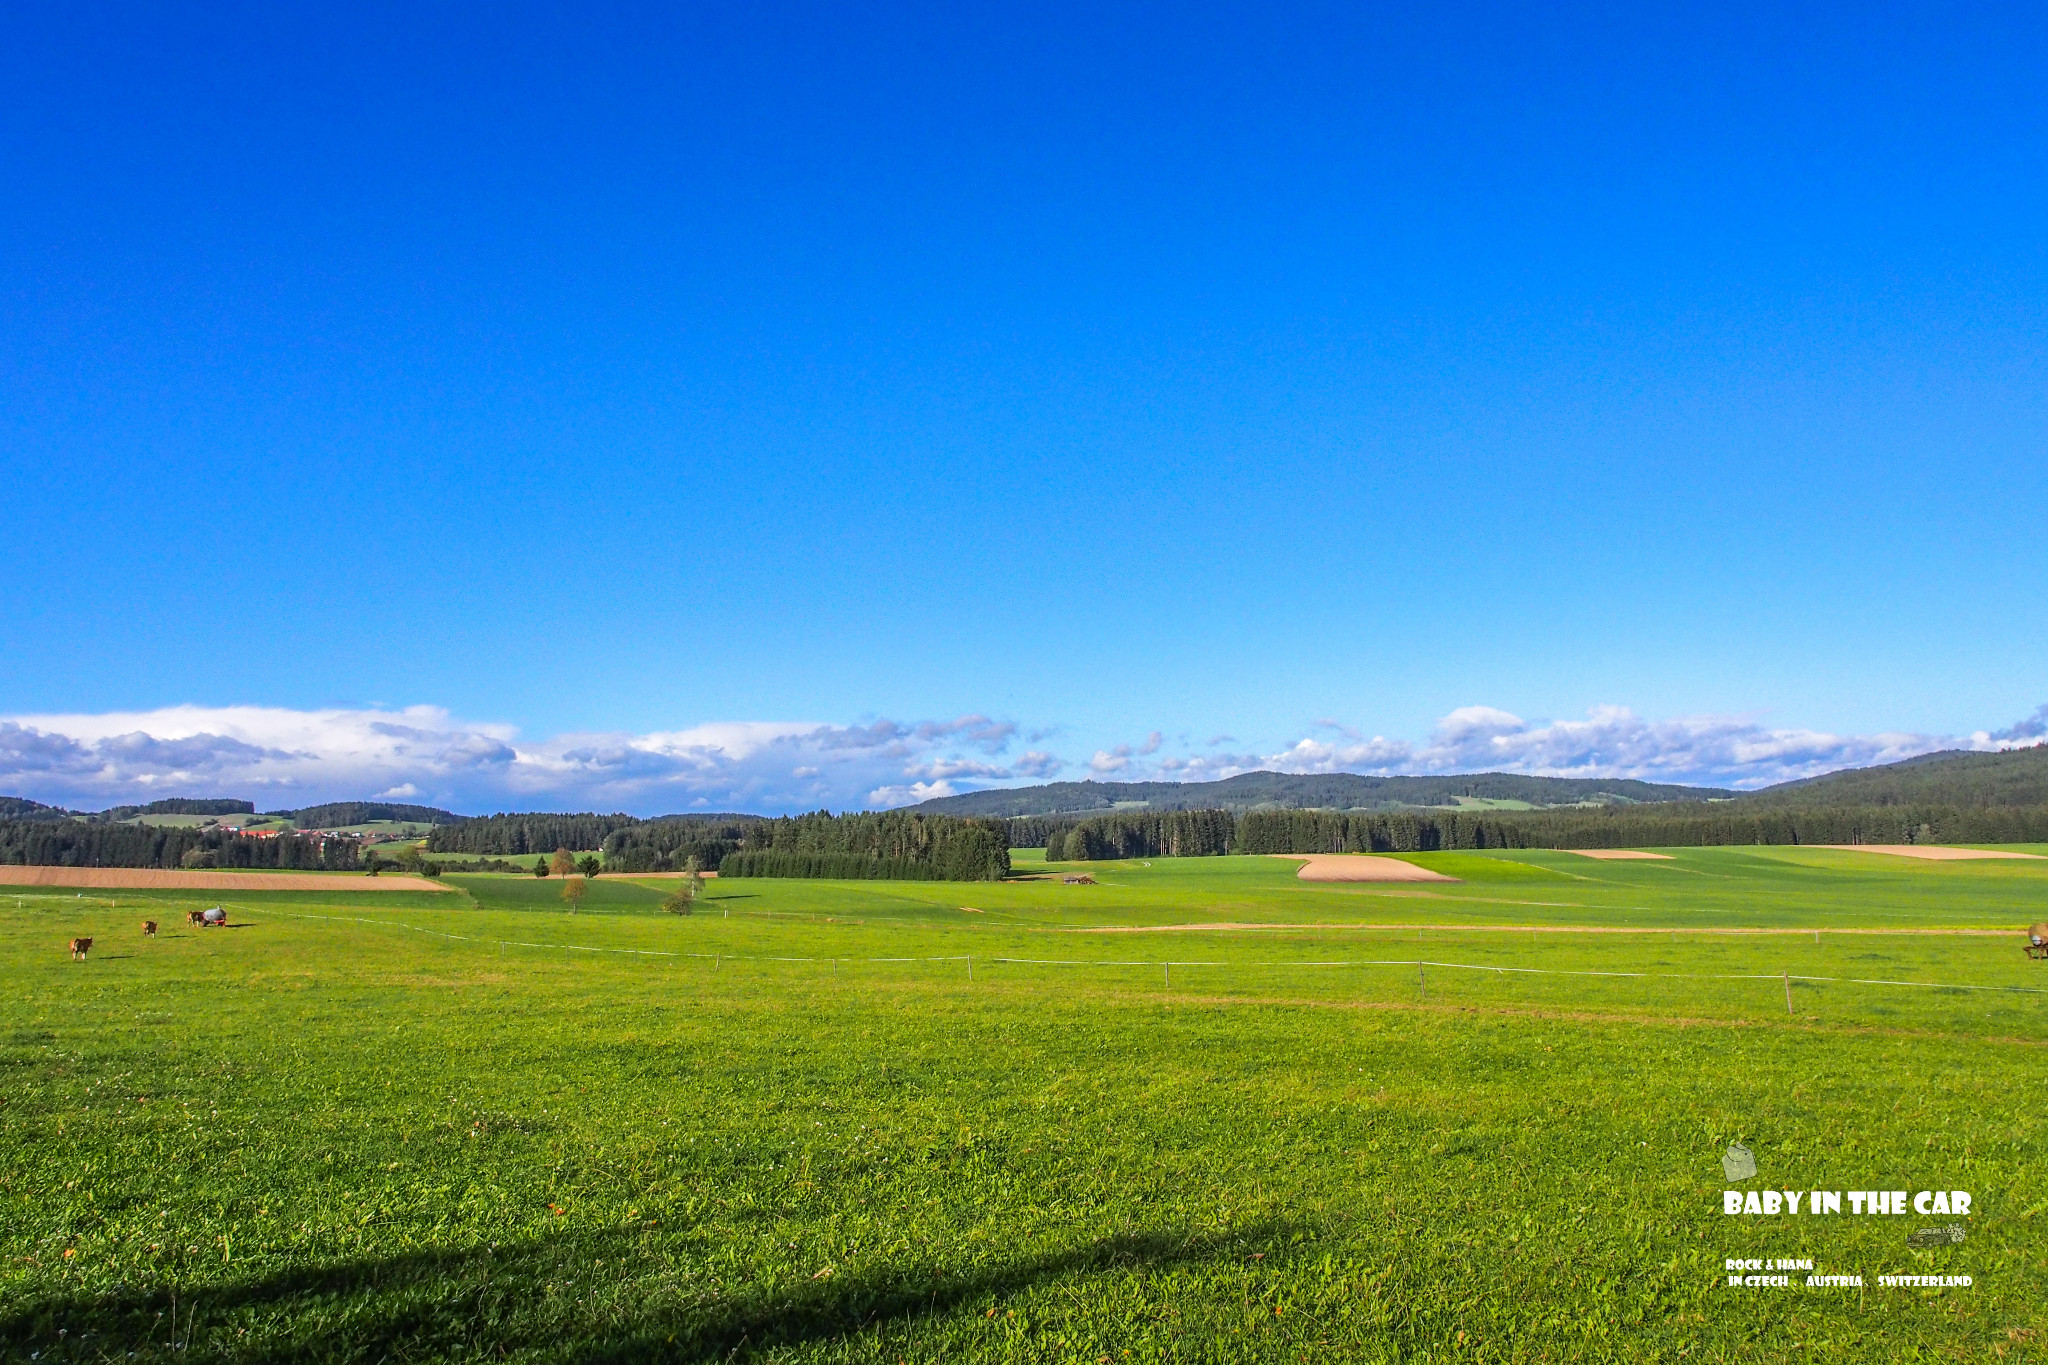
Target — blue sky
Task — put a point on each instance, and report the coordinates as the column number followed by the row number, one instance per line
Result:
column 788, row 406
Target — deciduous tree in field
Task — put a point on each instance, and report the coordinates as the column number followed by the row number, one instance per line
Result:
column 562, row 864
column 573, row 891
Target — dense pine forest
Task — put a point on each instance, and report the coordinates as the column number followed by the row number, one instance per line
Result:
column 179, row 806
column 837, row 867
column 668, row 845
column 2017, row 777
column 1170, row 834
column 539, row 832
column 1144, row 834
column 954, row 849
column 17, row 808
column 341, row 814
column 1036, row 831
column 78, row 843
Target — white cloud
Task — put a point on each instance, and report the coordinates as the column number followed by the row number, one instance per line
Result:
column 1612, row 742
column 909, row 795
column 281, row 758
column 2019, row 735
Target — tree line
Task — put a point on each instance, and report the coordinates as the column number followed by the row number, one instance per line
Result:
column 955, row 849
column 339, row 814
column 2016, row 777
column 1663, row 826
column 1144, row 834
column 668, row 845
column 1171, row 834
column 178, row 805
column 833, row 866
column 1033, row 831
column 512, row 835
column 74, row 843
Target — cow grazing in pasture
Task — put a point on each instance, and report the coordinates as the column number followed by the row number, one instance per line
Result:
column 2037, row 941
column 79, row 948
column 149, row 928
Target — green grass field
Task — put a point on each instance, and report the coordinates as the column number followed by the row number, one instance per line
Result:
column 1028, row 1121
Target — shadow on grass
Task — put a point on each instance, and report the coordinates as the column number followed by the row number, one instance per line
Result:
column 523, row 1300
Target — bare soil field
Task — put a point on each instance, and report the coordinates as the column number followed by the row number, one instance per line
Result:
column 1931, row 852
column 1360, row 867
column 166, row 879
column 1615, row 855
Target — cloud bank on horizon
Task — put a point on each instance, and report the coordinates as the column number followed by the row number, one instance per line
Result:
column 281, row 757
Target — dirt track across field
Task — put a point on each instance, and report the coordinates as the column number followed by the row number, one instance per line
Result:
column 1930, row 852
column 165, row 879
column 646, row 876
column 1360, row 867
column 1616, row 855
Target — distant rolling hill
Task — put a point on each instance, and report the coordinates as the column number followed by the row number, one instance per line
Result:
column 341, row 814
column 2016, row 777
column 1314, row 791
column 21, row 808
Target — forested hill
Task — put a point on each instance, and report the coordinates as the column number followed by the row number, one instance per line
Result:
column 21, row 808
column 341, row 814
column 1312, row 791
column 2017, row 777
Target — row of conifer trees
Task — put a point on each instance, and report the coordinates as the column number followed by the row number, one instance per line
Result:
column 76, row 843
column 1170, row 834
column 1143, row 834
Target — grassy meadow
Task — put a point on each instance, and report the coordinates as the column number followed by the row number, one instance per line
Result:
column 1200, row 1111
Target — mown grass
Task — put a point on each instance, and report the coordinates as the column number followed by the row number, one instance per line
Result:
column 790, row 1127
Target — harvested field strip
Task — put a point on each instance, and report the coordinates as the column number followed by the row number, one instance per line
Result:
column 1360, row 867
column 1617, row 855
column 168, row 879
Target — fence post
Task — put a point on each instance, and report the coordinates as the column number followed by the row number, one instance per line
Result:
column 1422, row 980
column 1166, row 971
column 1788, row 993
column 970, row 969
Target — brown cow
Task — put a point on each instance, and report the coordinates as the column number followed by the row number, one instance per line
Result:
column 149, row 928
column 2037, row 941
column 79, row 948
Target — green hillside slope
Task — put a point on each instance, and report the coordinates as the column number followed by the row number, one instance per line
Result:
column 2018, row 777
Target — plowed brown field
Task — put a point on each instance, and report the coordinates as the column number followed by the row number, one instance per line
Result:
column 1360, row 867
